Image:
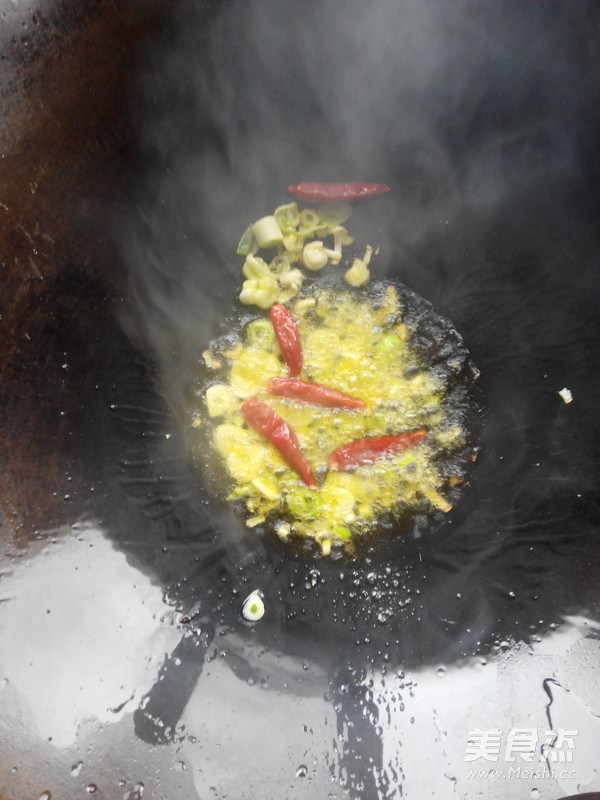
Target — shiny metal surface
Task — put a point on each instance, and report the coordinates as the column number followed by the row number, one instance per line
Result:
column 85, row 631
column 126, row 669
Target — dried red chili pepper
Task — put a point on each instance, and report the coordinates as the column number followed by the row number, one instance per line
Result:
column 265, row 420
column 337, row 192
column 366, row 451
column 288, row 338
column 312, row 393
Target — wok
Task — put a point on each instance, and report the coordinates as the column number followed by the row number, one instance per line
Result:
column 138, row 144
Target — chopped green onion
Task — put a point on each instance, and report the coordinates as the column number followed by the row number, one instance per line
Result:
column 288, row 217
column 342, row 532
column 256, row 267
column 219, row 399
column 293, row 242
column 304, row 505
column 314, row 256
column 253, row 607
column 325, row 546
column 246, row 242
column 340, row 237
column 309, row 220
column 390, row 344
column 291, row 279
column 241, row 491
column 260, row 333
column 261, row 292
column 334, row 214
column 359, row 274
column 267, row 232
column 283, row 530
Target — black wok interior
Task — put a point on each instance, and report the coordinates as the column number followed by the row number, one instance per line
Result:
column 186, row 125
column 493, row 258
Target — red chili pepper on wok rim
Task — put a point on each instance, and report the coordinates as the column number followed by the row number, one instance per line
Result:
column 266, row 421
column 313, row 393
column 367, row 451
column 337, row 192
column 288, row 338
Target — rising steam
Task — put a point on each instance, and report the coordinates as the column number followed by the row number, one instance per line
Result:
column 457, row 106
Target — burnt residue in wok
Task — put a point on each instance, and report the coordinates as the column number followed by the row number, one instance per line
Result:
column 483, row 120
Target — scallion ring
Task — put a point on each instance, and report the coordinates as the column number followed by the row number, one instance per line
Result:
column 253, row 608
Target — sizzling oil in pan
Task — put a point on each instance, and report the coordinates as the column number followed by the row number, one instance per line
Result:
column 413, row 374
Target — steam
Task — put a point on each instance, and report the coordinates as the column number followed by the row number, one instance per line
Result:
column 459, row 107
column 480, row 117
